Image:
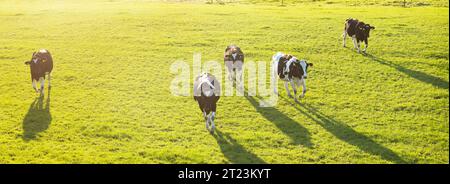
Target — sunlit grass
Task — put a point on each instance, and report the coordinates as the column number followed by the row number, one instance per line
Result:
column 110, row 101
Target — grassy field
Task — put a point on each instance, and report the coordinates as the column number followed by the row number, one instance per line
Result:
column 406, row 3
column 111, row 103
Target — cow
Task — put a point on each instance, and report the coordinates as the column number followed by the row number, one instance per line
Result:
column 41, row 63
column 207, row 93
column 234, row 59
column 359, row 31
column 291, row 70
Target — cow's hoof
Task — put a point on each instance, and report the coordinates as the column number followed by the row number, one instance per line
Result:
column 211, row 131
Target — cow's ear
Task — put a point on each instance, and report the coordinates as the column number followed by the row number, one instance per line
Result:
column 372, row 27
column 27, row 62
column 34, row 53
column 310, row 64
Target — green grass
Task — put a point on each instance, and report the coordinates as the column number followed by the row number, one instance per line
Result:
column 407, row 3
column 111, row 101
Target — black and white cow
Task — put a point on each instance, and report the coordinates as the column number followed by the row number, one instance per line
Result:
column 291, row 70
column 234, row 59
column 41, row 63
column 207, row 93
column 359, row 31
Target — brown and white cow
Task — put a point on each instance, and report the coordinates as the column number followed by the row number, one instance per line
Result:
column 41, row 63
column 359, row 31
column 207, row 93
column 234, row 59
column 291, row 70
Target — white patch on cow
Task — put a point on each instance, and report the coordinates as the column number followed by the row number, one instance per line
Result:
column 35, row 60
column 208, row 87
column 204, row 79
column 303, row 64
column 234, row 56
column 288, row 64
column 43, row 51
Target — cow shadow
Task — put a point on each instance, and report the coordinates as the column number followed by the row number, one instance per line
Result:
column 298, row 134
column 38, row 117
column 345, row 133
column 421, row 76
column 233, row 151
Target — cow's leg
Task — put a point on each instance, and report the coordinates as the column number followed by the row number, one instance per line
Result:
column 359, row 46
column 294, row 87
column 354, row 42
column 366, row 45
column 213, row 114
column 33, row 83
column 211, row 120
column 304, row 88
column 42, row 85
column 286, row 85
column 238, row 76
column 206, row 119
column 49, row 78
column 238, row 70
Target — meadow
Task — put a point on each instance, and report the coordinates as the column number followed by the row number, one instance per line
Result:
column 110, row 100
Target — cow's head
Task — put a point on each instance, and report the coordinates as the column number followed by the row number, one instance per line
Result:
column 234, row 51
column 34, row 59
column 303, row 69
column 365, row 28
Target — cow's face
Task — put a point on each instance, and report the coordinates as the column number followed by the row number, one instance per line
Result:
column 366, row 29
column 304, row 67
column 233, row 52
column 34, row 59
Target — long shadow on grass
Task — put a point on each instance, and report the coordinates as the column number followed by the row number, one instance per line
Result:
column 234, row 152
column 421, row 76
column 295, row 131
column 38, row 118
column 347, row 134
